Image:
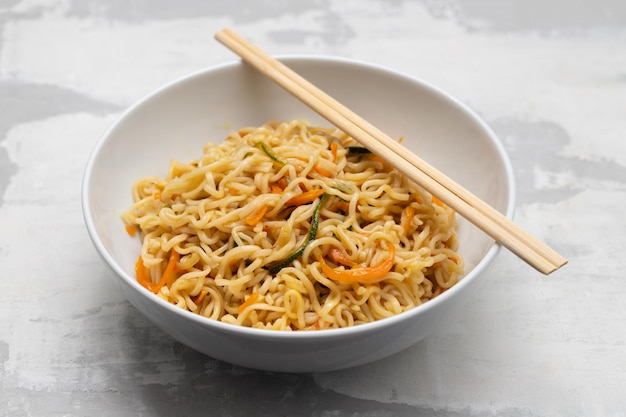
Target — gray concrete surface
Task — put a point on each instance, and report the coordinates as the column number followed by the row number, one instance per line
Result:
column 548, row 76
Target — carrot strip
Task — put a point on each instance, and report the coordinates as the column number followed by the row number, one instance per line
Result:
column 337, row 256
column 333, row 151
column 361, row 274
column 170, row 269
column 256, row 218
column 279, row 186
column 198, row 298
column 438, row 201
column 339, row 206
column 304, row 198
column 157, row 195
column 131, row 230
column 169, row 274
column 143, row 278
column 386, row 166
column 409, row 212
column 323, row 172
column 251, row 300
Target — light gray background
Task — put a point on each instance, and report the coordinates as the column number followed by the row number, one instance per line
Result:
column 548, row 76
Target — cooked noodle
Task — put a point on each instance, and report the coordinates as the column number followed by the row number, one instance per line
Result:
column 292, row 227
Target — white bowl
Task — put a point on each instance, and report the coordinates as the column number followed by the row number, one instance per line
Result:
column 174, row 123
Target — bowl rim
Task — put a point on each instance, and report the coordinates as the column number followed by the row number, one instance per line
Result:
column 321, row 334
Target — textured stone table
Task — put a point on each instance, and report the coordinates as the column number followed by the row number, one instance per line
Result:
column 549, row 77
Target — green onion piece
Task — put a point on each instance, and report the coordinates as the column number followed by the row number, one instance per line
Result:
column 268, row 151
column 342, row 186
column 310, row 238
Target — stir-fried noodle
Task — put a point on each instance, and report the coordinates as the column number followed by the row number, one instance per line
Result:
column 292, row 227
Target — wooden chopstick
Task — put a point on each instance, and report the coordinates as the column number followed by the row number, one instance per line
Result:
column 476, row 211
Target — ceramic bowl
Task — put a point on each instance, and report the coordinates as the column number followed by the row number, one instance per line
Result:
column 175, row 121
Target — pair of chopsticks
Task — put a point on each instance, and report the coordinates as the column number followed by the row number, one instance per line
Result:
column 476, row 211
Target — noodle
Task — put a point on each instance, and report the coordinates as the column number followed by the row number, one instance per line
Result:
column 292, row 227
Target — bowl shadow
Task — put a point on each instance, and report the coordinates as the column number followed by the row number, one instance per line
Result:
column 168, row 378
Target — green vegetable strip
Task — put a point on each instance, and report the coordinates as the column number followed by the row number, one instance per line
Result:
column 310, row 238
column 268, row 151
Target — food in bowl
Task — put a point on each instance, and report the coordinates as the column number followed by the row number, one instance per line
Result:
column 290, row 226
column 177, row 120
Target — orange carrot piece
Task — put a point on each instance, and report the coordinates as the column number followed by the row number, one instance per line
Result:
column 251, row 300
column 339, row 206
column 361, row 274
column 409, row 212
column 256, row 217
column 323, row 172
column 157, row 195
column 337, row 256
column 304, row 198
column 386, row 166
column 438, row 201
column 169, row 274
column 198, row 298
column 275, row 189
column 282, row 183
column 333, row 151
column 131, row 230
column 170, row 269
column 143, row 278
